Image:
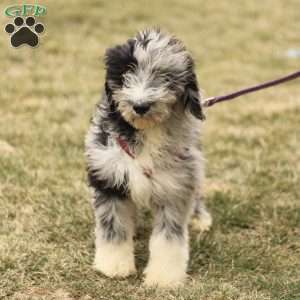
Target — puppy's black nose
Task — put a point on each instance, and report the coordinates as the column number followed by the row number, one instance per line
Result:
column 141, row 109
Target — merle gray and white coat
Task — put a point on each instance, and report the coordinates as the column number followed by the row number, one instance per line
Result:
column 142, row 149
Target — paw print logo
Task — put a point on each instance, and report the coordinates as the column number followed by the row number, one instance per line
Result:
column 24, row 33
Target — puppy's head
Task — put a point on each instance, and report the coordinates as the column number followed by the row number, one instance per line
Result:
column 148, row 75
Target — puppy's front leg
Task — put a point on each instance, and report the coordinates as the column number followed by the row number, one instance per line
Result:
column 114, row 234
column 169, row 251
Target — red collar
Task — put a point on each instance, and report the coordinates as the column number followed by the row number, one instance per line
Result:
column 124, row 145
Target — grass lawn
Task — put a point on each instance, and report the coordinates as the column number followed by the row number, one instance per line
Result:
column 252, row 147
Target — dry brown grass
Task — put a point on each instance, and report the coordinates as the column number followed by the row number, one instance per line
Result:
column 251, row 145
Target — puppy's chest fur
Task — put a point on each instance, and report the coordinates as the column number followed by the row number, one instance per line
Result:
column 162, row 160
column 149, row 149
column 160, row 150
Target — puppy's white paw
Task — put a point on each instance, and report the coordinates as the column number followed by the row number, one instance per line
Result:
column 201, row 222
column 115, row 259
column 164, row 276
column 167, row 264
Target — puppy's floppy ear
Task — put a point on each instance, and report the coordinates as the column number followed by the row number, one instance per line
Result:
column 191, row 97
column 108, row 94
column 108, row 90
column 119, row 60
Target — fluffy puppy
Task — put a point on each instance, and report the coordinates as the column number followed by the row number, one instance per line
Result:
column 142, row 149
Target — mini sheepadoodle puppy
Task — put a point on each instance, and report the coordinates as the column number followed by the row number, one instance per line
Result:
column 142, row 149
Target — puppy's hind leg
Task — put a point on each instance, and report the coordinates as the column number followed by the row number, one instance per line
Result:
column 114, row 234
column 201, row 220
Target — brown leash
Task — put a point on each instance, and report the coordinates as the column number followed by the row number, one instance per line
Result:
column 213, row 100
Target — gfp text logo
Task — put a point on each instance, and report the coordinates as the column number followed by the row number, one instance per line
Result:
column 25, row 10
